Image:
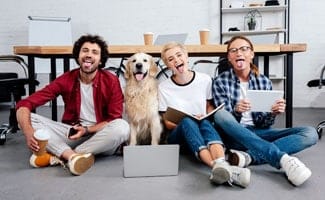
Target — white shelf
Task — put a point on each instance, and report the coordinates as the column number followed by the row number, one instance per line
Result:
column 274, row 78
column 259, row 8
column 263, row 32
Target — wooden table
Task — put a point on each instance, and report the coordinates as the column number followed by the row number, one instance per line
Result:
column 119, row 51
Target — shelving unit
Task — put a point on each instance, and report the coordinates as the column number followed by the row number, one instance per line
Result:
column 273, row 27
column 268, row 12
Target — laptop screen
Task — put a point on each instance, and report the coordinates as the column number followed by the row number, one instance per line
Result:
column 163, row 39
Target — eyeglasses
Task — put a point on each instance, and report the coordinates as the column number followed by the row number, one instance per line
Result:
column 242, row 49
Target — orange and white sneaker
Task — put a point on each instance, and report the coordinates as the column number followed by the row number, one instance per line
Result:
column 80, row 163
column 44, row 160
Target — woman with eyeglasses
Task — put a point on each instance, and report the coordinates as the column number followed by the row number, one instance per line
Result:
column 247, row 134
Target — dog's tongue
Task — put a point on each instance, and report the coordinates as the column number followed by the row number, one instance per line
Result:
column 139, row 77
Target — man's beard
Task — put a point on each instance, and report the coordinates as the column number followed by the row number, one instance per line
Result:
column 89, row 72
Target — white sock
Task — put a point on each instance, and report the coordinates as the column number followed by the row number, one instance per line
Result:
column 219, row 160
column 284, row 159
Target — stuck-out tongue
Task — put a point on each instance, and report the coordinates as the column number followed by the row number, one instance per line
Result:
column 139, row 77
column 87, row 64
column 240, row 63
column 180, row 68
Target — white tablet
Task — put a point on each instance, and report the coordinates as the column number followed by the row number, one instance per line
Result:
column 262, row 100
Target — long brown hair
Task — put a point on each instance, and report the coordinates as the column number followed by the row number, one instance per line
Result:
column 253, row 67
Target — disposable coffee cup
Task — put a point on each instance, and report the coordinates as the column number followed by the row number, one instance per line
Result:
column 148, row 38
column 42, row 136
column 204, row 36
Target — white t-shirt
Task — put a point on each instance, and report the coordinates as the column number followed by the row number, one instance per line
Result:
column 190, row 97
column 246, row 116
column 87, row 111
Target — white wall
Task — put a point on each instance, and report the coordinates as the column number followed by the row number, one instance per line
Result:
column 124, row 21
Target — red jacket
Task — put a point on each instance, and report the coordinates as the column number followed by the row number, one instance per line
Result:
column 107, row 93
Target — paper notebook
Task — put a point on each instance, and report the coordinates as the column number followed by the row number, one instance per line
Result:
column 176, row 116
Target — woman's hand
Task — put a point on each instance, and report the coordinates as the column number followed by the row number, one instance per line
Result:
column 279, row 107
column 243, row 106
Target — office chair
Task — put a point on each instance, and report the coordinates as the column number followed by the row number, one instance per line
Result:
column 12, row 89
column 318, row 83
column 220, row 66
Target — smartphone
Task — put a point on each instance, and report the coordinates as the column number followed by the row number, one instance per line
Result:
column 72, row 132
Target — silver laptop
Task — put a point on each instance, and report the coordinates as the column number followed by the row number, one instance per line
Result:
column 163, row 39
column 150, row 160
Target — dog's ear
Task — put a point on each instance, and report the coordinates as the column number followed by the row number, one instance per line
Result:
column 127, row 70
column 153, row 68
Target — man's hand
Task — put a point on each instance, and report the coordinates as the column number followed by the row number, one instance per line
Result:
column 79, row 131
column 31, row 142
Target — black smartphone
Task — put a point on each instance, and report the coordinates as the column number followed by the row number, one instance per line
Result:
column 72, row 131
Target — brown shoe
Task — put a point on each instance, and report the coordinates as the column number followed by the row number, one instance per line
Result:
column 80, row 163
column 47, row 159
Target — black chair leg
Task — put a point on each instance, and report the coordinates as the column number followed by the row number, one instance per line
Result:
column 4, row 130
column 319, row 129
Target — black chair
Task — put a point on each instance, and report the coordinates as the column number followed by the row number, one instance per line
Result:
column 319, row 83
column 12, row 88
column 221, row 65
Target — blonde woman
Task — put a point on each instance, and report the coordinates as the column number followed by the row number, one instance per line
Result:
column 190, row 91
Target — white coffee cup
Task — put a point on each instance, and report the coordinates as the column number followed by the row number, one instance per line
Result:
column 42, row 136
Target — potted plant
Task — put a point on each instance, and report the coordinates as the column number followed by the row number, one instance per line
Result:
column 251, row 23
column 252, row 19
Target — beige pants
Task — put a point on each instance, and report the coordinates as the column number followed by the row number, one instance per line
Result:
column 105, row 141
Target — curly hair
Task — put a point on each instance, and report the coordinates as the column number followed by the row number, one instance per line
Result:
column 92, row 39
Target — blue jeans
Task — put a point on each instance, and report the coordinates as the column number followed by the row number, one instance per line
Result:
column 264, row 145
column 197, row 135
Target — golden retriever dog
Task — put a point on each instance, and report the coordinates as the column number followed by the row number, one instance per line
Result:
column 141, row 99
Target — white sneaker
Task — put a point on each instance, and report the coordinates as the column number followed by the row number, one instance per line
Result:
column 240, row 176
column 80, row 163
column 220, row 173
column 239, row 158
column 295, row 170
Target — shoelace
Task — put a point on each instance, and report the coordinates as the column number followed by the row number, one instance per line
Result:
column 55, row 159
column 234, row 176
column 293, row 165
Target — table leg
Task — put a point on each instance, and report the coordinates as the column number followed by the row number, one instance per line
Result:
column 267, row 66
column 52, row 78
column 288, row 86
column 66, row 64
column 31, row 74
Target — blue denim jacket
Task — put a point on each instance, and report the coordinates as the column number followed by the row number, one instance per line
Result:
column 226, row 89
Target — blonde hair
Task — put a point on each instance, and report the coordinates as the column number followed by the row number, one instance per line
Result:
column 171, row 45
column 253, row 67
